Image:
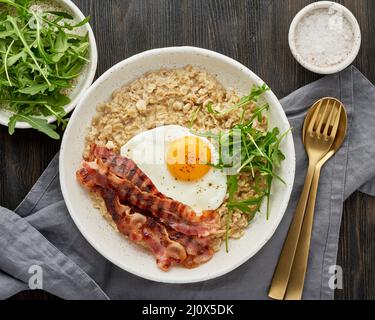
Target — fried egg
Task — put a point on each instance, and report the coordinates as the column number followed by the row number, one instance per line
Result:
column 177, row 163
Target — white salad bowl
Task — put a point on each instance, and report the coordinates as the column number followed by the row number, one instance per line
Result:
column 88, row 73
column 97, row 230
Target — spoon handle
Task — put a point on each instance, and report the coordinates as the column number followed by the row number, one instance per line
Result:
column 298, row 274
column 283, row 269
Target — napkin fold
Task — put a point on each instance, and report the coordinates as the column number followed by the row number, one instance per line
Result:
column 41, row 233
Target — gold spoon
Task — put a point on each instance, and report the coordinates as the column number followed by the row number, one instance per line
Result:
column 320, row 135
column 298, row 273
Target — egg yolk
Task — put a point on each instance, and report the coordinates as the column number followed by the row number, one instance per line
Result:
column 187, row 158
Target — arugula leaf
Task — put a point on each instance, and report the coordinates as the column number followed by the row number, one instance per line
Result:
column 23, row 3
column 82, row 23
column 232, row 186
column 253, row 97
column 6, row 34
column 39, row 124
column 259, row 154
column 277, row 157
column 35, row 89
column 14, row 59
column 12, row 124
column 57, row 100
column 244, row 206
column 194, row 115
column 61, row 14
column 39, row 57
column 6, row 63
column 211, row 110
column 59, row 113
column 27, row 48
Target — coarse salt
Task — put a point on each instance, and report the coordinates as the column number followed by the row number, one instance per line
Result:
column 324, row 37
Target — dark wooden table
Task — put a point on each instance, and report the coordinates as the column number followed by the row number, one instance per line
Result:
column 253, row 32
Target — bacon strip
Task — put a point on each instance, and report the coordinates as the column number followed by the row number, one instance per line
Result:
column 172, row 213
column 127, row 169
column 124, row 168
column 138, row 228
column 134, row 202
column 199, row 250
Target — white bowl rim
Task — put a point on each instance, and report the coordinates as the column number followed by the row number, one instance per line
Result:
column 357, row 37
column 104, row 77
column 90, row 74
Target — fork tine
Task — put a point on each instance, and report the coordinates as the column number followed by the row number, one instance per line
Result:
column 336, row 123
column 322, row 119
column 331, row 118
column 314, row 118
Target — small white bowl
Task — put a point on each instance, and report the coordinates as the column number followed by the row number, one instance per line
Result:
column 348, row 15
column 97, row 230
column 85, row 79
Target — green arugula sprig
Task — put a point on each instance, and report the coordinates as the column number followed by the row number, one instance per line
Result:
column 259, row 155
column 40, row 56
column 253, row 97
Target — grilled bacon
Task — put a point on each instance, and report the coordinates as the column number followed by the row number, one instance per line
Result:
column 199, row 250
column 167, row 245
column 124, row 168
column 142, row 230
column 172, row 213
column 172, row 231
column 127, row 169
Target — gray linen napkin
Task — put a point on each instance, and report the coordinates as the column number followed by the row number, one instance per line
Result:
column 41, row 232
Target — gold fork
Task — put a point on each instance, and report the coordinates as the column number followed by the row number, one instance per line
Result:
column 319, row 138
column 298, row 273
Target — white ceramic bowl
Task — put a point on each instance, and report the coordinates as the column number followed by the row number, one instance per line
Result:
column 88, row 73
column 348, row 15
column 100, row 234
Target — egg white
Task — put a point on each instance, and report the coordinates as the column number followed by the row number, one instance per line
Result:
column 148, row 150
